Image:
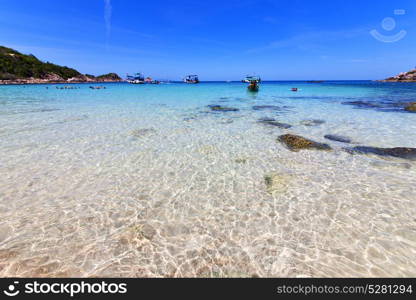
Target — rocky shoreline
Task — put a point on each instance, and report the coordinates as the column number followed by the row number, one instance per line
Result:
column 409, row 76
column 18, row 68
column 395, row 80
column 56, row 79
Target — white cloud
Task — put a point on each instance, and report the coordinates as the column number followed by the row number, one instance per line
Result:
column 108, row 10
column 310, row 39
column 357, row 60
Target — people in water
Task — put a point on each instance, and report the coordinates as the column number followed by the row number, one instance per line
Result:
column 66, row 87
column 253, row 86
column 77, row 87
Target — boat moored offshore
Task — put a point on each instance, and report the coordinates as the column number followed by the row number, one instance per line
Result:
column 254, row 83
column 137, row 78
column 191, row 79
column 251, row 78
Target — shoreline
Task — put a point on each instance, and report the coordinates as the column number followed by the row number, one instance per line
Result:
column 406, row 81
column 22, row 82
column 40, row 81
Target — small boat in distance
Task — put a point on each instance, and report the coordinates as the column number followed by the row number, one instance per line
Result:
column 250, row 78
column 149, row 80
column 294, row 89
column 254, row 83
column 137, row 78
column 191, row 79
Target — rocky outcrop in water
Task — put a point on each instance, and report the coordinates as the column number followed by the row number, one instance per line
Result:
column 338, row 138
column 296, row 143
column 401, row 152
column 411, row 107
column 409, row 76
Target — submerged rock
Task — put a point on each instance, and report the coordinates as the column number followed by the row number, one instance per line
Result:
column 411, row 107
column 222, row 108
column 208, row 150
column 266, row 107
column 389, row 165
column 240, row 160
column 312, row 122
column 226, row 121
column 148, row 231
column 276, row 182
column 273, row 108
column 362, row 104
column 273, row 122
column 138, row 133
column 401, row 152
column 267, row 119
column 338, row 138
column 189, row 119
column 387, row 105
column 296, row 143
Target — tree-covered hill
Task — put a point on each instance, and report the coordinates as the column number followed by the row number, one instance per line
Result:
column 109, row 76
column 16, row 67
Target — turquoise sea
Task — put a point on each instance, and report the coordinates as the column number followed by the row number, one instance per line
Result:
column 148, row 180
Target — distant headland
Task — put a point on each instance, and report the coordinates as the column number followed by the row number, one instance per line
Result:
column 409, row 76
column 18, row 68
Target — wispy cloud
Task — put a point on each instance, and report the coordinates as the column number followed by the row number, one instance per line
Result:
column 310, row 39
column 108, row 10
column 357, row 60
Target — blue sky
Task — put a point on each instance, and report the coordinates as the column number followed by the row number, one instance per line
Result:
column 282, row 40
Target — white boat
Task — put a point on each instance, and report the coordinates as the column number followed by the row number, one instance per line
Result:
column 138, row 78
column 191, row 79
column 251, row 78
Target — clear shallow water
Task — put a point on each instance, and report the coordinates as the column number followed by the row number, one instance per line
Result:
column 147, row 181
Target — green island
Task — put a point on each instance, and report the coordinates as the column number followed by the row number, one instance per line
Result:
column 19, row 68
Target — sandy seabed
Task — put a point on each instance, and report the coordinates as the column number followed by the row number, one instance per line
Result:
column 183, row 194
